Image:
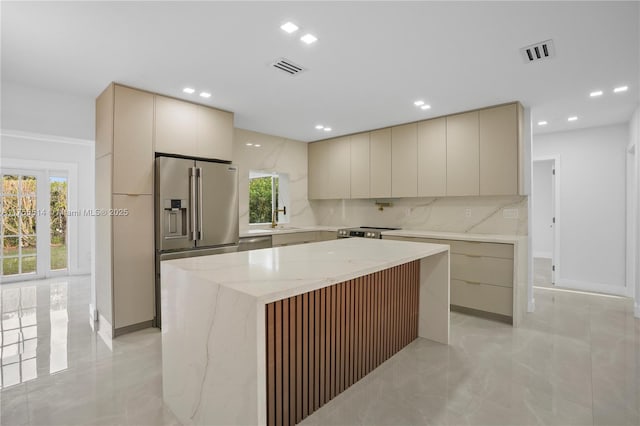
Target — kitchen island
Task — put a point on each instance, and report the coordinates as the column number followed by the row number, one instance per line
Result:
column 269, row 336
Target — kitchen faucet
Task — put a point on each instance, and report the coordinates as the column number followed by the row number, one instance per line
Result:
column 275, row 213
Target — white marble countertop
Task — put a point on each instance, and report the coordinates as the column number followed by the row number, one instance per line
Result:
column 253, row 232
column 277, row 273
column 463, row 236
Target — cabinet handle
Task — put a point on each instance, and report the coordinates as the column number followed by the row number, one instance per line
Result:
column 192, row 203
column 473, row 282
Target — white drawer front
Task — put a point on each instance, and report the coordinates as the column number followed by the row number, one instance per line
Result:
column 484, row 297
column 475, row 248
column 486, row 270
column 295, row 238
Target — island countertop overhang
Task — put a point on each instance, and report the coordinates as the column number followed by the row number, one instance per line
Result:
column 277, row 273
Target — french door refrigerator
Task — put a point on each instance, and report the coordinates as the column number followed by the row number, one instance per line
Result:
column 196, row 209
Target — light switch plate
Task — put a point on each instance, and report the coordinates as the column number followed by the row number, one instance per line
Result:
column 467, row 212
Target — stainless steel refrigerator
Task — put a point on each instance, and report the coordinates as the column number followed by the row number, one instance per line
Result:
column 196, row 209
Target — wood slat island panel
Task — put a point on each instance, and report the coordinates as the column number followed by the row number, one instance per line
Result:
column 320, row 343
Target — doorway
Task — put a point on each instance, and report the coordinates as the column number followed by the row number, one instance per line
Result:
column 544, row 222
column 632, row 214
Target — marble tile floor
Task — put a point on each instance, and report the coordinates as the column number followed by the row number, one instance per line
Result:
column 575, row 361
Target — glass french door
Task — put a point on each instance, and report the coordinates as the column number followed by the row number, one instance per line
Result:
column 33, row 225
column 18, row 228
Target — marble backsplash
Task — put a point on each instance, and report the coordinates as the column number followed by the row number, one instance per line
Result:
column 274, row 155
column 480, row 215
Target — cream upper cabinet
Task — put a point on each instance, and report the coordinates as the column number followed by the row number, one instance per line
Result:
column 380, row 163
column 360, row 165
column 176, row 126
column 499, row 150
column 214, row 137
column 132, row 142
column 104, row 122
column 404, row 160
column 318, row 158
column 339, row 168
column 432, row 158
column 463, row 173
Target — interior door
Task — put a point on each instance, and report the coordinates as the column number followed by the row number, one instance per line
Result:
column 218, row 204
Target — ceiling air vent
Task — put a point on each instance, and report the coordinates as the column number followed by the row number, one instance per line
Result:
column 288, row 66
column 538, row 51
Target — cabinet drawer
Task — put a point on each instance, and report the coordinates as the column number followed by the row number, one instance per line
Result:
column 296, row 238
column 476, row 248
column 484, row 297
column 486, row 270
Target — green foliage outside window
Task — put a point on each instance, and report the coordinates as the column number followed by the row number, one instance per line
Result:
column 263, row 196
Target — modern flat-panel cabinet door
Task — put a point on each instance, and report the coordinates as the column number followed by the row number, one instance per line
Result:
column 499, row 150
column 404, row 160
column 318, row 158
column 214, row 133
column 463, row 173
column 380, row 163
column 432, row 158
column 176, row 126
column 132, row 142
column 360, row 165
column 339, row 168
column 133, row 257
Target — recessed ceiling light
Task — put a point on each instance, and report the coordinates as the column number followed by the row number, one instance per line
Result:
column 188, row 90
column 425, row 107
column 248, row 144
column 572, row 118
column 289, row 27
column 205, row 94
column 596, row 93
column 319, row 127
column 308, row 38
column 542, row 123
column 620, row 89
column 418, row 103
column 327, row 129
column 257, row 145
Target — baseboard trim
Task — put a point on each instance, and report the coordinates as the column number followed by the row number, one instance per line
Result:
column 131, row 328
column 592, row 287
column 478, row 313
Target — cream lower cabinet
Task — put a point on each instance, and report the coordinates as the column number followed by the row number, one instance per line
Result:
column 133, row 258
column 304, row 237
column 482, row 276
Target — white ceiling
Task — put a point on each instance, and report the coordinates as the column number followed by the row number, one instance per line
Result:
column 372, row 59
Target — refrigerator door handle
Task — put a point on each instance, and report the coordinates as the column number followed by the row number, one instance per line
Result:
column 192, row 202
column 200, row 236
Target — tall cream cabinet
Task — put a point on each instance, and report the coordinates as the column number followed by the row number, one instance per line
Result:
column 499, row 135
column 467, row 154
column 463, row 153
column 432, row 158
column 131, row 127
column 404, row 160
column 124, row 209
column 380, row 163
column 360, row 166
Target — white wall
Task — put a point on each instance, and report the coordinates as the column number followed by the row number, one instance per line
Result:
column 38, row 151
column 542, row 209
column 634, row 139
column 590, row 175
column 45, row 112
